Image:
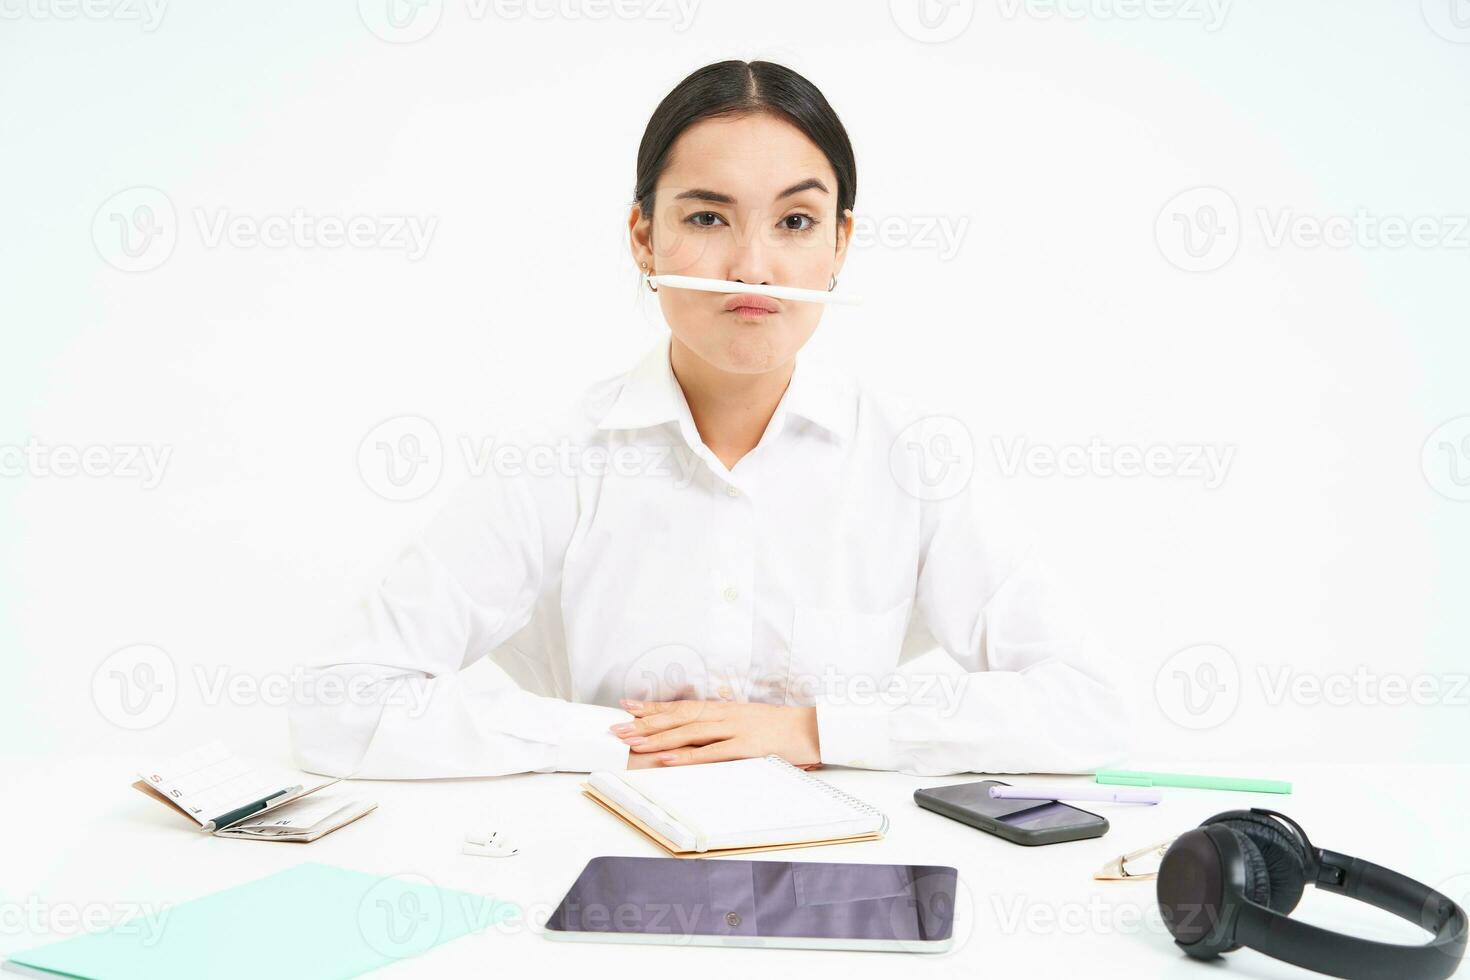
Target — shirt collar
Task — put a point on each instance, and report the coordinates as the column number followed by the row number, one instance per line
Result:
column 650, row 395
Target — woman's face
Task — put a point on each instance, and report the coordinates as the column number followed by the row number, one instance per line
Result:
column 748, row 199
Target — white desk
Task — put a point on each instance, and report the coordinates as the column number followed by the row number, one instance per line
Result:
column 78, row 841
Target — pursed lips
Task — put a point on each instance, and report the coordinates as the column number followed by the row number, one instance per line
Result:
column 751, row 306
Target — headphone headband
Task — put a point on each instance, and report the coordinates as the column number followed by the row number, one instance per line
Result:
column 1341, row 955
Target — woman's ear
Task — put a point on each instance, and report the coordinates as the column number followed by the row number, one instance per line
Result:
column 844, row 238
column 640, row 238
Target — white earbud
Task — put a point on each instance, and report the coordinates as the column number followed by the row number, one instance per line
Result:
column 494, row 849
column 486, row 840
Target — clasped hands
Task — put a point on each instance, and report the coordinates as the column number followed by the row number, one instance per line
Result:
column 678, row 733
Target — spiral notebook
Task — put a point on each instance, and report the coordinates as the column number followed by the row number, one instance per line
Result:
column 735, row 807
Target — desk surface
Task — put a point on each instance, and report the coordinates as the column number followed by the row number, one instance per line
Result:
column 81, row 846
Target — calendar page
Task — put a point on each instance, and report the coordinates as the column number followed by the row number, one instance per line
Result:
column 210, row 782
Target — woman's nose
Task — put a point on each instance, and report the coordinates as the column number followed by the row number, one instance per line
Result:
column 750, row 266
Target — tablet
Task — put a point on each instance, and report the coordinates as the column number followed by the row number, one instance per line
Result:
column 785, row 904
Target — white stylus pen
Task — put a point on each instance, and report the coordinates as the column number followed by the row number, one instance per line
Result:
column 1061, row 792
column 775, row 292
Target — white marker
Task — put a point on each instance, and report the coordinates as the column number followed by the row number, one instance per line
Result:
column 1062, row 791
column 775, row 292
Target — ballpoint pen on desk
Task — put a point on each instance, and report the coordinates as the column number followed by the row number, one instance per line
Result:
column 1075, row 792
column 249, row 809
column 1129, row 777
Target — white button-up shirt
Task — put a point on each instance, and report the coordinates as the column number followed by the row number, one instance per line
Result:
column 613, row 555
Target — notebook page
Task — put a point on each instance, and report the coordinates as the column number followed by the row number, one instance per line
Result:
column 209, row 782
column 750, row 802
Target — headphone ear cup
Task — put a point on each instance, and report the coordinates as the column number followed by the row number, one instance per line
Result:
column 1283, row 856
column 1257, row 878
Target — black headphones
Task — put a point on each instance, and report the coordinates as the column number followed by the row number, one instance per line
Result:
column 1233, row 881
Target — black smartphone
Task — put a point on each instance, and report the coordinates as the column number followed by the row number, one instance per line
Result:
column 1027, row 822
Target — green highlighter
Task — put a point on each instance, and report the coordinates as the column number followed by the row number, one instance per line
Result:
column 1129, row 777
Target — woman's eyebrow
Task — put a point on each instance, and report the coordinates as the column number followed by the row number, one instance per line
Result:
column 715, row 197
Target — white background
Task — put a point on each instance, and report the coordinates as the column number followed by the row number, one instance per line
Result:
column 1025, row 163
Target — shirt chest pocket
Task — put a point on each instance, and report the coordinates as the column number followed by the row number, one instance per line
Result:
column 844, row 652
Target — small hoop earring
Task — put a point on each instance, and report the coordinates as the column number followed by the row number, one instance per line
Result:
column 832, row 284
column 651, row 287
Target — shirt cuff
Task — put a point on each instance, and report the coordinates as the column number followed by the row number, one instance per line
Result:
column 586, row 745
column 854, row 735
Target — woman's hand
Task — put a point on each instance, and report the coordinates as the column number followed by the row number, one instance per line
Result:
column 677, row 733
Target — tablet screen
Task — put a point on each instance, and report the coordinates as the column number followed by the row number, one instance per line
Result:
column 759, row 903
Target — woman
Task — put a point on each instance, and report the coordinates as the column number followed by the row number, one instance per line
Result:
column 734, row 549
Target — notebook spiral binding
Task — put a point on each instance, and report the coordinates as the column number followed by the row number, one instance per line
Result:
column 831, row 790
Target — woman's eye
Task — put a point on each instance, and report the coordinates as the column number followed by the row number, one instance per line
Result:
column 698, row 219
column 810, row 222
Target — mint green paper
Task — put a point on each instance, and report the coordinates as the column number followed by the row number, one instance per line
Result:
column 310, row 921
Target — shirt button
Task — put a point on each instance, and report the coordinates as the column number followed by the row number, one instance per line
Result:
column 731, row 594
column 732, row 919
column 725, row 691
column 732, row 491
